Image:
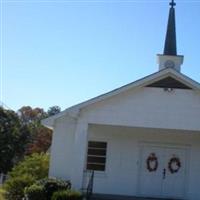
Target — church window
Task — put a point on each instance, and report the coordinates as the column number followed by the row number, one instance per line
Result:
column 96, row 155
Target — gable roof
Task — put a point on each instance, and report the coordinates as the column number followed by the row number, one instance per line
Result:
column 146, row 81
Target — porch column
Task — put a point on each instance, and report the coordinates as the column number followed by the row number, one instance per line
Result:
column 80, row 150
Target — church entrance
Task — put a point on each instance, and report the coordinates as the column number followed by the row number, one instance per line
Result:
column 163, row 171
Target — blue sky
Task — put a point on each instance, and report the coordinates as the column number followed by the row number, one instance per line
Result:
column 65, row 52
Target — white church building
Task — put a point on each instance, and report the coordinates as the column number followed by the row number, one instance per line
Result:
column 142, row 139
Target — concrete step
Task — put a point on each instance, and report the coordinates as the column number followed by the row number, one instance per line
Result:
column 119, row 197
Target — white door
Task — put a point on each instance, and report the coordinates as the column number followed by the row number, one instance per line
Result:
column 175, row 181
column 151, row 182
column 162, row 172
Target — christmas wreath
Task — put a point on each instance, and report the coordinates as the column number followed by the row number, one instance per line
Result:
column 152, row 162
column 174, row 165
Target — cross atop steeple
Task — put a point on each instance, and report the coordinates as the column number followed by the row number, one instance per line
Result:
column 172, row 3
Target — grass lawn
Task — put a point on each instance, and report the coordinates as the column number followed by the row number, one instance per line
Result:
column 1, row 194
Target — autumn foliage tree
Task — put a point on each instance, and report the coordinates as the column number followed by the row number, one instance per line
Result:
column 41, row 141
column 30, row 115
column 21, row 133
column 40, row 136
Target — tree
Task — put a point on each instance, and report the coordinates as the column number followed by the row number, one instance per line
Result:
column 13, row 139
column 40, row 137
column 41, row 141
column 22, row 134
column 30, row 115
column 53, row 110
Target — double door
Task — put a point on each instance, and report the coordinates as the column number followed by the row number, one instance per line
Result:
column 163, row 172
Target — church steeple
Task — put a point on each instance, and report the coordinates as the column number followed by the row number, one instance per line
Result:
column 170, row 59
column 170, row 40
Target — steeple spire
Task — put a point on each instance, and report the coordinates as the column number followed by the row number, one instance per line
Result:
column 169, row 58
column 170, row 40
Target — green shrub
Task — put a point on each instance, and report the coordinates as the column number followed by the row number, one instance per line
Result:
column 36, row 165
column 52, row 185
column 15, row 187
column 35, row 192
column 74, row 195
column 60, row 195
column 66, row 195
column 31, row 169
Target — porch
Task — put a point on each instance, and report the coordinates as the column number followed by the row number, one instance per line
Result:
column 127, row 151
